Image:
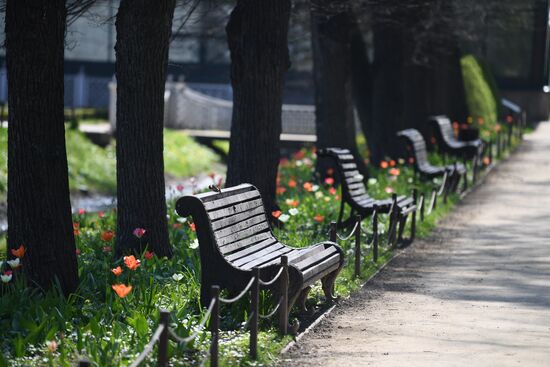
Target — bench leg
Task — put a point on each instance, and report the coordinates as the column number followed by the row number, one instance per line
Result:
column 302, row 297
column 402, row 223
column 328, row 285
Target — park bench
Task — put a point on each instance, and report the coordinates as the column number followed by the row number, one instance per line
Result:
column 355, row 195
column 235, row 237
column 448, row 144
column 451, row 173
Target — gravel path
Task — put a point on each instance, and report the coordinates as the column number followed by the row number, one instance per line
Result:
column 477, row 293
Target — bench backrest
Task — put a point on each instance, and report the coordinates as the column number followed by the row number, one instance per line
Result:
column 443, row 129
column 352, row 179
column 229, row 221
column 419, row 145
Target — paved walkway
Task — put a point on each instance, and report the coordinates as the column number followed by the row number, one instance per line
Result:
column 475, row 294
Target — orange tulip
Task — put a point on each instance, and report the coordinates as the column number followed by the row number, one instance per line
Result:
column 122, row 290
column 107, row 236
column 76, row 231
column 394, row 171
column 117, row 271
column 332, row 191
column 319, row 218
column 308, row 186
column 383, row 164
column 291, row 183
column 276, row 213
column 392, row 163
column 19, row 252
column 131, row 262
column 280, row 190
column 192, row 226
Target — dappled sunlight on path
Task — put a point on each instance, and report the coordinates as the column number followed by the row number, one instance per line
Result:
column 477, row 292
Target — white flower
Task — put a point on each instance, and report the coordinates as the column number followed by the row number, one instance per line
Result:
column 52, row 345
column 314, row 188
column 327, row 199
column 299, row 163
column 372, row 181
column 359, row 176
column 410, row 180
column 308, row 162
column 14, row 263
column 194, row 245
column 284, row 218
column 401, row 161
column 181, row 219
column 177, row 276
column 292, row 211
column 318, row 194
column 6, row 277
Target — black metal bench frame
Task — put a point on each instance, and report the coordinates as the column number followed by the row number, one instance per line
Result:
column 355, row 195
column 235, row 237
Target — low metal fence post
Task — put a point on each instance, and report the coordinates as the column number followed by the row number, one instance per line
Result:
column 332, row 232
column 162, row 356
column 215, row 326
column 254, row 312
column 358, row 246
column 413, row 219
column 375, row 235
column 283, row 310
column 423, row 199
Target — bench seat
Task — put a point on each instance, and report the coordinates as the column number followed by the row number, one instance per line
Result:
column 235, row 237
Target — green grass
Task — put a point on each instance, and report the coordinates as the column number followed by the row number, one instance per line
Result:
column 183, row 157
column 93, row 169
column 97, row 324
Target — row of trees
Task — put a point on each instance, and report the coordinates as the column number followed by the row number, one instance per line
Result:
column 415, row 72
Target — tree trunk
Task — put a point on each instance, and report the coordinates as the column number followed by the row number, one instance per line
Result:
column 331, row 45
column 416, row 71
column 361, row 80
column 39, row 208
column 143, row 34
column 257, row 38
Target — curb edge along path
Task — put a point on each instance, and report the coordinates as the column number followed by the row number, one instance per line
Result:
column 476, row 292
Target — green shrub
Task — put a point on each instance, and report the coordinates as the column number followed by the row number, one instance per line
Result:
column 479, row 97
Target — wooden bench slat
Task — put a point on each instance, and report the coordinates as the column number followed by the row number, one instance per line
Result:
column 246, row 242
column 250, row 249
column 258, row 254
column 300, row 254
column 317, row 257
column 227, row 221
column 229, row 200
column 349, row 166
column 238, row 208
column 210, row 195
column 267, row 258
column 353, row 174
column 239, row 226
column 330, row 263
column 346, row 157
column 355, row 185
column 243, row 234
